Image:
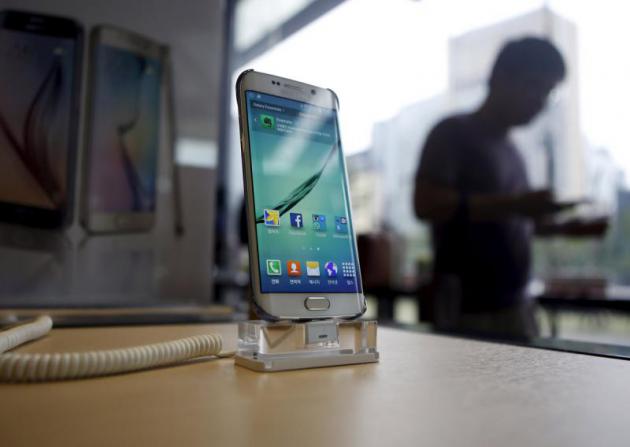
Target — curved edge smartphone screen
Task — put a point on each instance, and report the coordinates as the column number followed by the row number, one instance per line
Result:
column 125, row 132
column 303, row 228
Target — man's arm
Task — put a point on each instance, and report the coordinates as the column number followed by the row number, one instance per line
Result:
column 573, row 228
column 438, row 203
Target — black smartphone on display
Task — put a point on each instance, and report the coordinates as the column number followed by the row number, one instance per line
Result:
column 122, row 145
column 40, row 81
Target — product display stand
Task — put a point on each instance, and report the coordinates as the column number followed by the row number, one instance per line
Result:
column 286, row 345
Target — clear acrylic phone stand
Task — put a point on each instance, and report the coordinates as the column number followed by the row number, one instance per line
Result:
column 285, row 345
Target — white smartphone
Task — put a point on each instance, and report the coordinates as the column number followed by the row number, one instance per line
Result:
column 121, row 157
column 303, row 253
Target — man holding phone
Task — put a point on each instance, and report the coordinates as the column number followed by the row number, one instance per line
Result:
column 471, row 185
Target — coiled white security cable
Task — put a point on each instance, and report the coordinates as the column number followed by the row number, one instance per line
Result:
column 74, row 365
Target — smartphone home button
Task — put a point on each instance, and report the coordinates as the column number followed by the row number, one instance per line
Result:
column 317, row 303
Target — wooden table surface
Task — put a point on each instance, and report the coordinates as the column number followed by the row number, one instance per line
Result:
column 427, row 390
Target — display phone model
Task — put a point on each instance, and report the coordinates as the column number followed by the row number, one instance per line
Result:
column 302, row 246
column 122, row 143
column 40, row 57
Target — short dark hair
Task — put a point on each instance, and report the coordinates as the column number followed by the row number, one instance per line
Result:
column 529, row 55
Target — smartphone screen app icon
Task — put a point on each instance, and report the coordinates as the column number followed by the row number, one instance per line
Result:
column 267, row 121
column 272, row 218
column 294, row 268
column 312, row 268
column 348, row 269
column 274, row 267
column 331, row 269
column 341, row 224
column 296, row 220
column 319, row 222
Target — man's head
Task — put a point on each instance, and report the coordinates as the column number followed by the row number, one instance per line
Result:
column 524, row 73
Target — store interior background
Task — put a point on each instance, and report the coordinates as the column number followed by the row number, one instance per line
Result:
column 398, row 67
column 70, row 268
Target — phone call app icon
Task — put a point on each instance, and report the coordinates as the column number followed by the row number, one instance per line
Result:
column 271, row 218
column 274, row 267
column 319, row 222
column 294, row 268
column 296, row 220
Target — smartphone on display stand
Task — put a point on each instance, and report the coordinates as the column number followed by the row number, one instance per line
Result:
column 40, row 56
column 122, row 145
column 303, row 253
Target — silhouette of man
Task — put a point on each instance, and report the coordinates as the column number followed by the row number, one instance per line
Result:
column 471, row 185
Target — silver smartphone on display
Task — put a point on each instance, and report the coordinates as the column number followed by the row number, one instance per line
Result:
column 122, row 145
column 303, row 253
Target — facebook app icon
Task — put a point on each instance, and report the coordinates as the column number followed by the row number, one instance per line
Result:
column 296, row 220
